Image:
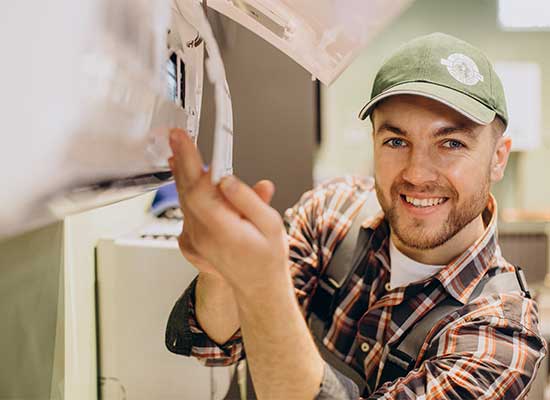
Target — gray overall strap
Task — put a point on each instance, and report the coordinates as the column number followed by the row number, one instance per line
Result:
column 339, row 269
column 505, row 282
column 343, row 260
column 340, row 264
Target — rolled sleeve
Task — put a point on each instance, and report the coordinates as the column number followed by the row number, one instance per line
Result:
column 185, row 336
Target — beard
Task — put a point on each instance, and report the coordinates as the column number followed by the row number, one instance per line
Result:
column 417, row 233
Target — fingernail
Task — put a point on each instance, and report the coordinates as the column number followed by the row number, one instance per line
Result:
column 228, row 184
column 205, row 168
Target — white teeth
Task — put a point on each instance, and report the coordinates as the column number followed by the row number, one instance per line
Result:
column 424, row 202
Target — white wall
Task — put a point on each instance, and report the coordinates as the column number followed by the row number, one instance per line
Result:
column 31, row 364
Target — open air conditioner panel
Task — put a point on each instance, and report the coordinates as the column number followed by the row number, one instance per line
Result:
column 323, row 36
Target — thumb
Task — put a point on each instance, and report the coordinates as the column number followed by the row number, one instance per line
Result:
column 265, row 190
column 247, row 203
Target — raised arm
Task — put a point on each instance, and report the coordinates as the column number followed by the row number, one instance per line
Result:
column 245, row 241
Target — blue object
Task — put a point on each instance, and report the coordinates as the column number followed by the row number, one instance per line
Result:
column 166, row 198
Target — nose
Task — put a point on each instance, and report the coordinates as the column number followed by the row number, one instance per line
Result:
column 420, row 167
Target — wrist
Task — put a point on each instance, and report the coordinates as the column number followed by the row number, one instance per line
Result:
column 271, row 292
column 212, row 290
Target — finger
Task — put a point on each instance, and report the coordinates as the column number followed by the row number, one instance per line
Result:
column 265, row 189
column 187, row 160
column 205, row 202
column 177, row 179
column 250, row 205
column 172, row 165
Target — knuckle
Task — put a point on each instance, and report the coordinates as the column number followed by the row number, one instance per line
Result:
column 189, row 252
column 186, row 242
column 183, row 241
column 185, row 245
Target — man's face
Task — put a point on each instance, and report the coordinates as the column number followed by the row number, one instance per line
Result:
column 433, row 169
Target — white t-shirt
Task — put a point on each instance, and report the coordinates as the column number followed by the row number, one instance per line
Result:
column 405, row 270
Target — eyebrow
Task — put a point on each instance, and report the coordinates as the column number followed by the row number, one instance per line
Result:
column 443, row 131
column 449, row 130
column 388, row 127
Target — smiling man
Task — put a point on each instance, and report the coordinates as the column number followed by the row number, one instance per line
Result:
column 427, row 269
column 434, row 168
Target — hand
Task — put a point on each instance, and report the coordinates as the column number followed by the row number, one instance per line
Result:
column 229, row 230
column 264, row 189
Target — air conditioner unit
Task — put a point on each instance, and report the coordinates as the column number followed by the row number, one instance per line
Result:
column 89, row 93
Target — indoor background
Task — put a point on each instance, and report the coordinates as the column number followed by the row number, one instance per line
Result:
column 72, row 330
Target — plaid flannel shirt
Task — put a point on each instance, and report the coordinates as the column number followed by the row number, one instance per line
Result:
column 488, row 349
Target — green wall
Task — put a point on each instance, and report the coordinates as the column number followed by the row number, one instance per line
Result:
column 346, row 146
column 31, row 311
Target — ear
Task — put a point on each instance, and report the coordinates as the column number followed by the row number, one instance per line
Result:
column 500, row 157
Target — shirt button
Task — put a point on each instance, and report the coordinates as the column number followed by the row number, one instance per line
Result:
column 387, row 286
column 365, row 347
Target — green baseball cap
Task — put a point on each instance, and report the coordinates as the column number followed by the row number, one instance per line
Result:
column 445, row 69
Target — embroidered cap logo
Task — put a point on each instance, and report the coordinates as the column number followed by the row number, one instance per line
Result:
column 463, row 69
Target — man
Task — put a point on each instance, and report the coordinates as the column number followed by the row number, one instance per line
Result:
column 438, row 115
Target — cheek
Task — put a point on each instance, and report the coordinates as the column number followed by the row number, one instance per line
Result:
column 386, row 171
column 467, row 177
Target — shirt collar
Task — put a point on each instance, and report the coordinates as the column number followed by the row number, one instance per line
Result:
column 461, row 276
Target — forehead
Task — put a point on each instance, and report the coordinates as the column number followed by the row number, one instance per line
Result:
column 413, row 110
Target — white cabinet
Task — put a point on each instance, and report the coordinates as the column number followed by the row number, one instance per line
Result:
column 139, row 278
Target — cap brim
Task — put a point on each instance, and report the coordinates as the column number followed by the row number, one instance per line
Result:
column 464, row 104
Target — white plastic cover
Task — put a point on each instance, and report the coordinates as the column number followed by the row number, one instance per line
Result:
column 323, row 36
column 222, row 160
column 85, row 103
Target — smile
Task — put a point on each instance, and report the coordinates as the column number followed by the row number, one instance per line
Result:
column 424, row 203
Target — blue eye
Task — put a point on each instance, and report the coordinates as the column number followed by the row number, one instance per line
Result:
column 395, row 143
column 453, row 144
